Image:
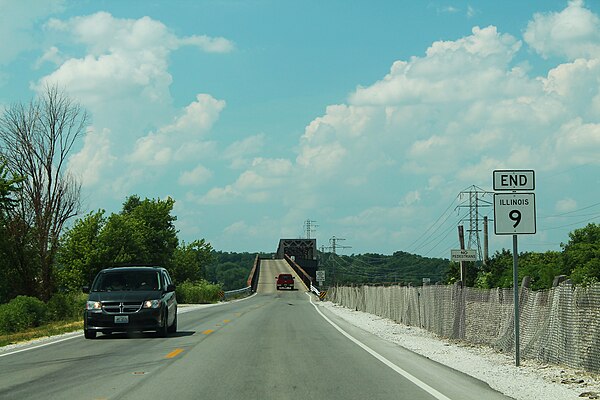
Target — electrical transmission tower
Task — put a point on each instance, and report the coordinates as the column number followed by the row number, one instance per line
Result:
column 476, row 201
column 310, row 227
column 333, row 241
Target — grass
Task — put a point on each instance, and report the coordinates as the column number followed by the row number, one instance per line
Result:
column 51, row 329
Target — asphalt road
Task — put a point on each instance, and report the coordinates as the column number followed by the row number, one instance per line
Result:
column 274, row 345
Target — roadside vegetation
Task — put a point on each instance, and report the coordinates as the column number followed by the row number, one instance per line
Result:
column 46, row 256
column 578, row 260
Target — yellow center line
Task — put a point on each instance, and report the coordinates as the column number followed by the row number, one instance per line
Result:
column 174, row 353
column 208, row 331
column 226, row 321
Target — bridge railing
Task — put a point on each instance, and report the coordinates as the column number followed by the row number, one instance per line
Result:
column 298, row 269
column 251, row 283
column 254, row 273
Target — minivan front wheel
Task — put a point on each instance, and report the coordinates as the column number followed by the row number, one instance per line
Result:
column 173, row 328
column 164, row 329
column 89, row 334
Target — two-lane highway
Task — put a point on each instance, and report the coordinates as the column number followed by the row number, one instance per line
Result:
column 275, row 345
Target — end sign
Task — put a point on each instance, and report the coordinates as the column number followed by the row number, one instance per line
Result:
column 523, row 179
column 514, row 211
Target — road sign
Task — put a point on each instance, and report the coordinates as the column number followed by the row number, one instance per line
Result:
column 463, row 255
column 320, row 277
column 514, row 214
column 520, row 179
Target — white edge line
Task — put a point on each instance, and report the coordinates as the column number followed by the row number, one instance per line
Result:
column 40, row 345
column 384, row 360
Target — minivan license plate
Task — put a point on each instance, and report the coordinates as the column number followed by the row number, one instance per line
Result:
column 121, row 319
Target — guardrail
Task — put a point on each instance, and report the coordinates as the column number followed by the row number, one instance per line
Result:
column 315, row 290
column 247, row 291
column 252, row 283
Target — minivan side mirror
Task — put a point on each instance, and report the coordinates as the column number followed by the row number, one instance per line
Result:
column 170, row 287
column 86, row 289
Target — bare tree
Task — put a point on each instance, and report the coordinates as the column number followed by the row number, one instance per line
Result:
column 35, row 140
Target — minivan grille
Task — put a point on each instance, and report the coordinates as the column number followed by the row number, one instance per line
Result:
column 119, row 307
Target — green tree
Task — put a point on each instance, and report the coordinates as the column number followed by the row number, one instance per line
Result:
column 9, row 276
column 232, row 276
column 497, row 272
column 143, row 232
column 190, row 260
column 35, row 141
column 80, row 254
column 157, row 227
column 541, row 268
column 581, row 254
column 123, row 240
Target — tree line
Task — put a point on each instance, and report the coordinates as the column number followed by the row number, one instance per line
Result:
column 578, row 260
column 39, row 256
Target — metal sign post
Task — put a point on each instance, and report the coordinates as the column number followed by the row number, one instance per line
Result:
column 321, row 277
column 514, row 214
column 516, row 296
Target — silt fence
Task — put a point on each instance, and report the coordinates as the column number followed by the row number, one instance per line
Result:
column 559, row 326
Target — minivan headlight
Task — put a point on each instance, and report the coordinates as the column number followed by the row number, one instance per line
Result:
column 93, row 305
column 152, row 304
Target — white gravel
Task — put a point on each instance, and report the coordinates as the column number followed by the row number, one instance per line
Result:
column 531, row 381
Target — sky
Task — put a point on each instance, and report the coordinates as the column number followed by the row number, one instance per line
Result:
column 369, row 118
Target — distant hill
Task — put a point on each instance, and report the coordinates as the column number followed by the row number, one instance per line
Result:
column 232, row 269
column 400, row 267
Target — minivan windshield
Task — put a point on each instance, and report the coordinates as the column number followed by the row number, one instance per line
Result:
column 127, row 280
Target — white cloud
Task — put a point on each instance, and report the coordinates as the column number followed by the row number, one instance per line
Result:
column 94, row 159
column 411, row 198
column 471, row 12
column 452, row 71
column 574, row 32
column 197, row 176
column 577, row 85
column 257, row 184
column 566, row 205
column 17, row 22
column 199, row 116
column 239, row 152
column 122, row 78
column 51, row 55
column 209, row 44
column 126, row 59
column 183, row 139
column 578, row 142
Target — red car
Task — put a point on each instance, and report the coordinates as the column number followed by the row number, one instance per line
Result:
column 285, row 280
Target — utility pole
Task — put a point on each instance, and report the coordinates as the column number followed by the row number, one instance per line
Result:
column 334, row 246
column 476, row 201
column 461, row 240
column 486, row 245
column 309, row 227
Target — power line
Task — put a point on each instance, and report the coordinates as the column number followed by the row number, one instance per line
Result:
column 432, row 225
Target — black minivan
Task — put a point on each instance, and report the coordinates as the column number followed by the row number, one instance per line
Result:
column 131, row 298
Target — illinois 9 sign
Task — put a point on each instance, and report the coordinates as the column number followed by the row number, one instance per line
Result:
column 514, row 214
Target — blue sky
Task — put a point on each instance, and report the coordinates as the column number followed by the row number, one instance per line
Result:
column 368, row 117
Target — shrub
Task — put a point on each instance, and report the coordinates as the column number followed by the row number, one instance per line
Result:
column 22, row 313
column 64, row 306
column 198, row 292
